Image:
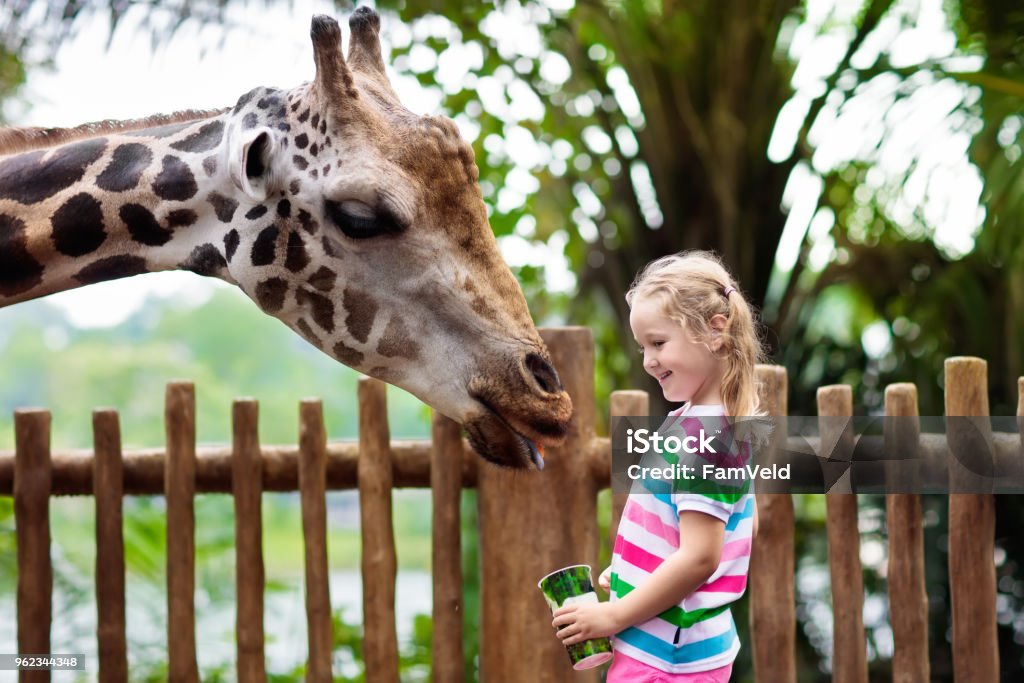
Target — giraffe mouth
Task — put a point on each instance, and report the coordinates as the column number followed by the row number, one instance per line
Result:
column 496, row 441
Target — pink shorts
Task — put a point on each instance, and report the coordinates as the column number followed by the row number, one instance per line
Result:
column 628, row 670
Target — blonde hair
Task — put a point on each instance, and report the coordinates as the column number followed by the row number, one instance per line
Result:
column 693, row 287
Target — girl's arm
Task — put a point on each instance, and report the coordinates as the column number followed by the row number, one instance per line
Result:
column 682, row 572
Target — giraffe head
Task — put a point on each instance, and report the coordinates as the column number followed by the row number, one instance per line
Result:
column 366, row 232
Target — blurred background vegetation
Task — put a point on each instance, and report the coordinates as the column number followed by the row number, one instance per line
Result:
column 857, row 163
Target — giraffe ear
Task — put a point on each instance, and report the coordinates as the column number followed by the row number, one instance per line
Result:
column 251, row 154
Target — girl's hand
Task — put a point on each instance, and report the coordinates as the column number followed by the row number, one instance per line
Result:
column 586, row 621
column 605, row 580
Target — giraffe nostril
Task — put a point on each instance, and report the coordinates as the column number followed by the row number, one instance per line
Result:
column 543, row 374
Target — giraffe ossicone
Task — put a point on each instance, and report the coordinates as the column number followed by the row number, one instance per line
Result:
column 357, row 223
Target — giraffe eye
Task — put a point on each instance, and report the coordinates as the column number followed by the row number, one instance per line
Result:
column 360, row 221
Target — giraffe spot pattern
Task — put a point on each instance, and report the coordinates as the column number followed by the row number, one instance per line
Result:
column 78, row 226
column 313, row 149
column 301, row 140
column 294, row 186
column 307, row 222
column 19, row 271
column 263, row 247
column 300, row 162
column 111, row 268
column 175, row 181
column 181, row 218
column 210, row 166
column 270, row 294
column 143, row 226
column 323, row 308
column 30, row 178
column 203, row 140
column 205, row 260
column 223, row 206
column 323, row 279
column 284, row 208
column 126, row 167
column 397, row 341
column 255, row 212
column 231, row 241
column 307, row 332
column 361, row 310
column 244, row 100
column 249, row 121
column 297, row 257
column 332, row 247
column 347, row 355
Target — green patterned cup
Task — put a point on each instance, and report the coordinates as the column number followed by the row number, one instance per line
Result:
column 569, row 586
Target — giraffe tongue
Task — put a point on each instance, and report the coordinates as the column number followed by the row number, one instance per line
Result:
column 536, row 454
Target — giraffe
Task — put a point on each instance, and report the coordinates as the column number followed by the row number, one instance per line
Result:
column 357, row 223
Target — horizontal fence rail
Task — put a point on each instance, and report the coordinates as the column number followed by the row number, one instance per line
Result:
column 376, row 465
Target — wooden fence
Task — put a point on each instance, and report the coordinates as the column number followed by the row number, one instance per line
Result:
column 530, row 523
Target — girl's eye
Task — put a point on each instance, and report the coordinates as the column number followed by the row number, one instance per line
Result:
column 658, row 344
column 359, row 221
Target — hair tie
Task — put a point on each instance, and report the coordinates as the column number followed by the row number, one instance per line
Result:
column 729, row 290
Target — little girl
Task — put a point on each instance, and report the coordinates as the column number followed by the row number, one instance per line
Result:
column 680, row 559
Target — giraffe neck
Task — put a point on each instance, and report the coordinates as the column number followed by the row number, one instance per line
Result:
column 113, row 205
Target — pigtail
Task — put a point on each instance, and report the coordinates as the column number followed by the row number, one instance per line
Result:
column 742, row 350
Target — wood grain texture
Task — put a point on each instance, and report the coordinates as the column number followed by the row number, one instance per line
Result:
column 447, row 661
column 250, row 581
column 622, row 404
column 972, row 574
column 771, row 579
column 179, row 490
column 32, row 528
column 379, row 562
column 849, row 654
column 908, row 597
column 312, row 494
column 110, row 571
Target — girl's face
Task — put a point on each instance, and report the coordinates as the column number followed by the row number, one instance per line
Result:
column 685, row 367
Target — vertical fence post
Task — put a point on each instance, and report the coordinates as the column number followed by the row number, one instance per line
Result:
column 908, row 598
column 180, row 489
column 108, row 491
column 624, row 404
column 313, row 494
column 446, row 551
column 380, row 565
column 849, row 651
column 972, row 573
column 32, row 484
column 772, row 603
column 532, row 523
column 247, row 489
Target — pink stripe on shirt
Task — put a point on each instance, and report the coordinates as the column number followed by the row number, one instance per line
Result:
column 652, row 524
column 640, row 558
column 734, row 549
column 725, row 584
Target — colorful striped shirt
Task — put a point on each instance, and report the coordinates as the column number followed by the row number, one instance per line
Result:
column 698, row 634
